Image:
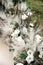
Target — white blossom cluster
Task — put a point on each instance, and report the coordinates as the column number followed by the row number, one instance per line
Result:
column 8, row 3
column 30, row 56
column 21, row 37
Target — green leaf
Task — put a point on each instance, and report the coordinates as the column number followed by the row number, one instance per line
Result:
column 23, row 55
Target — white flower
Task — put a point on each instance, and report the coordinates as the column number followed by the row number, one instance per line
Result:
column 22, row 6
column 16, row 19
column 41, row 55
column 24, row 30
column 38, row 38
column 7, row 29
column 24, row 16
column 9, row 4
column 20, row 41
column 31, row 24
column 2, row 15
column 40, row 49
column 30, row 56
column 29, row 13
column 19, row 64
column 15, row 33
column 19, row 44
column 29, row 59
column 30, row 52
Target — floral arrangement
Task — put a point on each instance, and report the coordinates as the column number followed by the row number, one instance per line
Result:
column 23, row 36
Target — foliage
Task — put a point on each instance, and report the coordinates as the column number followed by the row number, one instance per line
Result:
column 23, row 55
column 37, row 7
